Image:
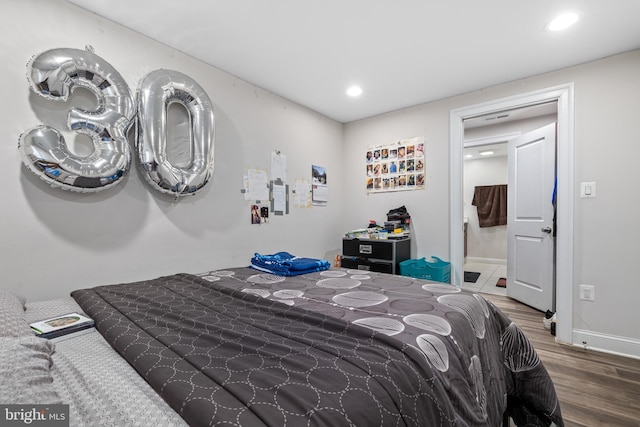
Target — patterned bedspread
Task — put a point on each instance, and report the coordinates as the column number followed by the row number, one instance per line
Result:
column 338, row 347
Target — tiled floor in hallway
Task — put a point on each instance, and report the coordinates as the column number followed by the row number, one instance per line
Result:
column 489, row 275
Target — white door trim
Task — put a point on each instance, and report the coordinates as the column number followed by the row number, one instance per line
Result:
column 488, row 140
column 563, row 95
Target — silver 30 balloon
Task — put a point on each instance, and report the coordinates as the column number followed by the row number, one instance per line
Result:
column 54, row 74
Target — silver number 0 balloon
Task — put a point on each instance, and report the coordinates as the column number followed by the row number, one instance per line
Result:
column 156, row 92
column 54, row 74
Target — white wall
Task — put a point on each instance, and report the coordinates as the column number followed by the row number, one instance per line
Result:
column 488, row 242
column 429, row 207
column 606, row 232
column 54, row 241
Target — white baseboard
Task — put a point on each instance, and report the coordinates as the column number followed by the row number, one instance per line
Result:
column 611, row 344
column 486, row 260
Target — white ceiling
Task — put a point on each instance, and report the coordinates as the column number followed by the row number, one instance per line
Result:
column 402, row 52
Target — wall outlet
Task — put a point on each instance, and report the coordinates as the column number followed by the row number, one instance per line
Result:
column 587, row 293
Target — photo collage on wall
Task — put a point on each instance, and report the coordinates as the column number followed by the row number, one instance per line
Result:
column 396, row 167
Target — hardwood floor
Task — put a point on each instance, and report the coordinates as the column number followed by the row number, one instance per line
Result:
column 594, row 388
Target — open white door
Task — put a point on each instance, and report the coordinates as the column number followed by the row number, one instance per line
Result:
column 530, row 236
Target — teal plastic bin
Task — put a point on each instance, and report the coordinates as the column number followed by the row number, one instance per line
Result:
column 436, row 269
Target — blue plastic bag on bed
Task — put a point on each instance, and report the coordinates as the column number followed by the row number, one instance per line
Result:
column 285, row 264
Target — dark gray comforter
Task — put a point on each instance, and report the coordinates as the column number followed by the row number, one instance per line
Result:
column 244, row 348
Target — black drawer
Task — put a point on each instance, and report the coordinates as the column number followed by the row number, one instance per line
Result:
column 382, row 255
column 365, row 264
column 378, row 249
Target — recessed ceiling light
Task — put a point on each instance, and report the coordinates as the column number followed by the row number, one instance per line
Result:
column 354, row 91
column 486, row 153
column 563, row 21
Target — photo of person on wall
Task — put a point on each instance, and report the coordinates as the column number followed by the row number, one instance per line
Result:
column 255, row 214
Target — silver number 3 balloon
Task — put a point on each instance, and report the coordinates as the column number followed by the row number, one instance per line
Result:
column 54, row 74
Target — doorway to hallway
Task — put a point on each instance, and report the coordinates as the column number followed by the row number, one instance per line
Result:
column 489, row 160
column 563, row 95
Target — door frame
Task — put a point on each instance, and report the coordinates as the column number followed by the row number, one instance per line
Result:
column 563, row 95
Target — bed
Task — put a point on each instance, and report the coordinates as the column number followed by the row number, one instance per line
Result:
column 241, row 347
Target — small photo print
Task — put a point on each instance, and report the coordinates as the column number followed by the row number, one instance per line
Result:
column 411, row 149
column 255, row 214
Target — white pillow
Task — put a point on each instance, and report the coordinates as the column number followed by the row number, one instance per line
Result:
column 12, row 319
column 25, row 369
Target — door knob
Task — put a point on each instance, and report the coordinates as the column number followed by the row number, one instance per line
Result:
column 546, row 230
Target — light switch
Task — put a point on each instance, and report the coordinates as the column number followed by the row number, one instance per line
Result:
column 587, row 190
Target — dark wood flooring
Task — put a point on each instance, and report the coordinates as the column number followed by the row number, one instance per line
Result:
column 595, row 389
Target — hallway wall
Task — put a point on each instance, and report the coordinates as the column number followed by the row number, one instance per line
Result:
column 488, row 242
